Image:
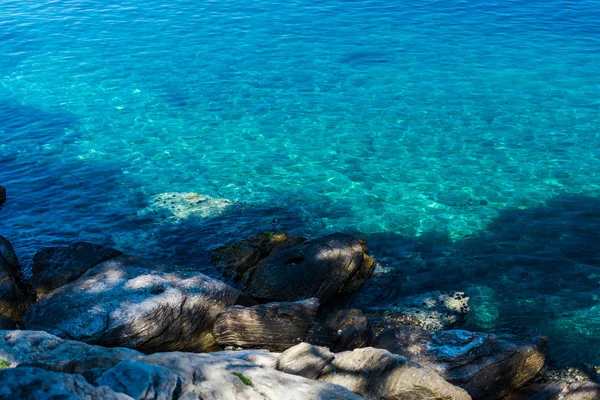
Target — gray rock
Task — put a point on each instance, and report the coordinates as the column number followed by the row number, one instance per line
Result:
column 13, row 299
column 235, row 259
column 341, row 330
column 262, row 358
column 272, row 326
column 208, row 377
column 141, row 381
column 129, row 302
column 2, row 195
column 558, row 391
column 39, row 384
column 484, row 365
column 57, row 266
column 305, row 360
column 322, row 268
column 431, row 311
column 377, row 373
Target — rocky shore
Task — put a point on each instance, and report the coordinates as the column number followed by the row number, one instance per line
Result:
column 93, row 323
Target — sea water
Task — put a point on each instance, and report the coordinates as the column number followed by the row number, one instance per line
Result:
column 461, row 138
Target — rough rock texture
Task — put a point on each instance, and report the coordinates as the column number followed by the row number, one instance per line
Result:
column 57, row 266
column 204, row 376
column 322, row 268
column 2, row 195
column 305, row 360
column 431, row 311
column 38, row 384
column 376, row 373
column 128, row 302
column 13, row 300
column 175, row 207
column 342, row 330
column 558, row 391
column 272, row 326
column 234, row 259
column 484, row 365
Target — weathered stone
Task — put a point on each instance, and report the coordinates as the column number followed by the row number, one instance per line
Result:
column 376, row 373
column 305, row 360
column 129, row 302
column 272, row 326
column 211, row 377
column 321, row 268
column 263, row 358
column 431, row 311
column 13, row 300
column 2, row 195
column 484, row 365
column 39, row 384
column 341, row 330
column 234, row 259
column 558, row 391
column 57, row 266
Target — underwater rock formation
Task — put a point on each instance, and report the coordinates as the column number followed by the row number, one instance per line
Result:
column 178, row 206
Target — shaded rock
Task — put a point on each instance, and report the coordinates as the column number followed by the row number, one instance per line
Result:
column 211, row 377
column 43, row 350
column 341, row 330
column 234, row 259
column 305, row 360
column 2, row 195
column 322, row 268
column 272, row 326
column 377, row 373
column 57, row 266
column 13, row 299
column 431, row 311
column 7, row 323
column 129, row 302
column 558, row 391
column 38, row 384
column 484, row 365
column 141, row 380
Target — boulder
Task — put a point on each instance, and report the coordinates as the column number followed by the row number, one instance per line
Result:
column 56, row 266
column 305, row 360
column 2, row 195
column 377, row 373
column 235, row 259
column 323, row 268
column 341, row 330
column 486, row 366
column 38, row 384
column 431, row 311
column 272, row 326
column 176, row 207
column 129, row 302
column 558, row 391
column 13, row 299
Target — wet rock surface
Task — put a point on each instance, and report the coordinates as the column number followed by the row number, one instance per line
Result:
column 130, row 302
column 324, row 268
column 272, row 326
column 57, row 266
column 488, row 367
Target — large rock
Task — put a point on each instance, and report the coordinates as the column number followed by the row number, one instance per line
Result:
column 13, row 299
column 484, row 365
column 377, row 373
column 39, row 384
column 272, row 326
column 234, row 259
column 431, row 311
column 2, row 195
column 341, row 330
column 305, row 360
column 57, row 266
column 323, row 268
column 129, row 302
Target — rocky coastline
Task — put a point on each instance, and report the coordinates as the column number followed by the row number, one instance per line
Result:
column 94, row 323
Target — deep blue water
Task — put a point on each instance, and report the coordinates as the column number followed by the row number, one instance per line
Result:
column 460, row 137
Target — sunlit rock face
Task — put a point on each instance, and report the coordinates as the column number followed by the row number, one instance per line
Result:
column 130, row 302
column 178, row 206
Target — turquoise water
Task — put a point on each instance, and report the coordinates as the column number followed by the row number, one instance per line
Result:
column 461, row 138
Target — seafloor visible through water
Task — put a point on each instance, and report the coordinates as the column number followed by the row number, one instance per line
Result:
column 460, row 137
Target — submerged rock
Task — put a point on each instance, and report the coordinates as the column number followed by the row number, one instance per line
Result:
column 272, row 326
column 13, row 299
column 431, row 311
column 178, row 206
column 323, row 268
column 486, row 366
column 129, row 302
column 377, row 373
column 57, row 266
column 234, row 259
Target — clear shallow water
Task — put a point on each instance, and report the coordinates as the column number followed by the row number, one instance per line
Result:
column 461, row 138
